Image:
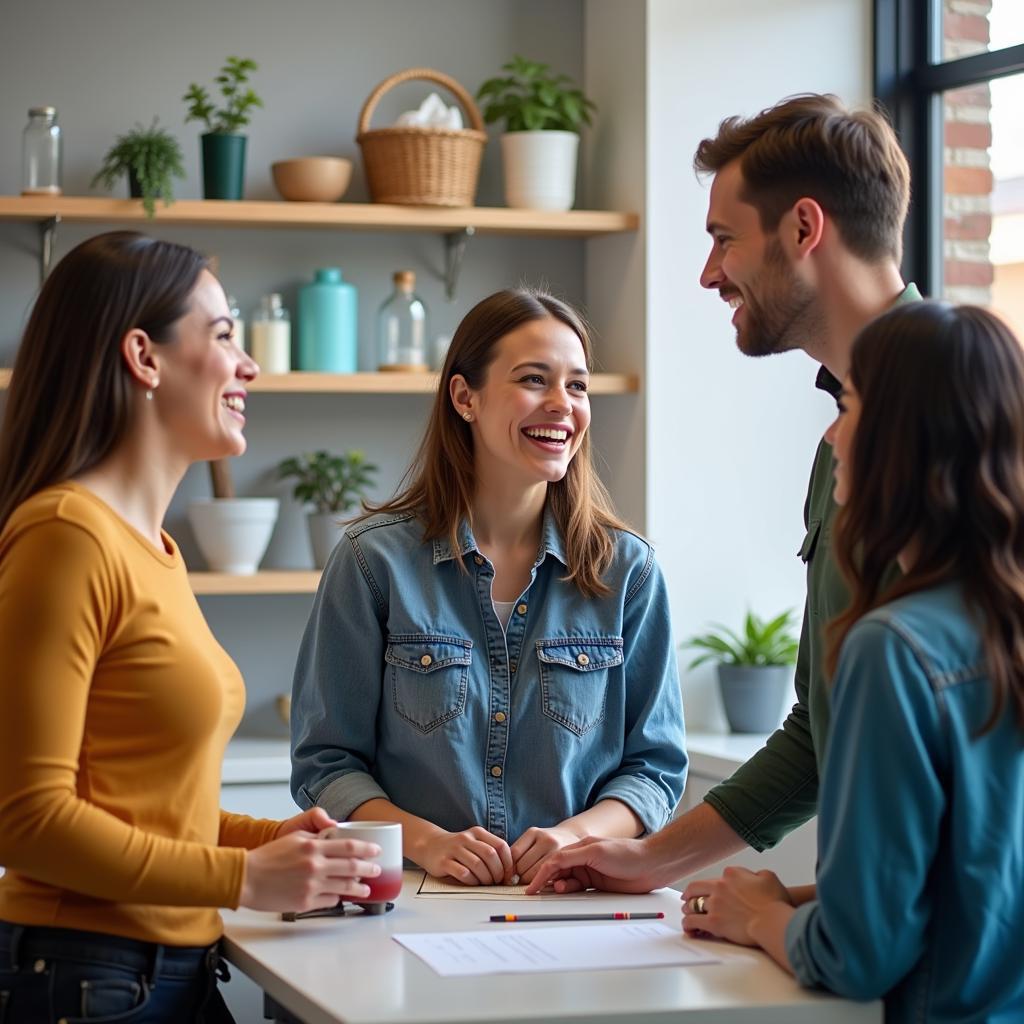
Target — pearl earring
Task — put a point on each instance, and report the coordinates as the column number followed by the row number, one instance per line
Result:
column 151, row 389
column 467, row 416
column 149, row 395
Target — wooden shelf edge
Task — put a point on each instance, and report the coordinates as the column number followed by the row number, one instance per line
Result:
column 386, row 383
column 269, row 581
column 355, row 216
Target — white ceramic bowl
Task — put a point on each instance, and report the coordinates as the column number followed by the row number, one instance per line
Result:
column 312, row 179
column 233, row 533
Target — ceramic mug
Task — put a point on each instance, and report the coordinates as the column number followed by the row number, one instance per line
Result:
column 388, row 836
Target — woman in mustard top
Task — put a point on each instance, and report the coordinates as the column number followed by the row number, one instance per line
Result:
column 117, row 700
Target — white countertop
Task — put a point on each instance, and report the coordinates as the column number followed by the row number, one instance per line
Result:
column 712, row 755
column 350, row 971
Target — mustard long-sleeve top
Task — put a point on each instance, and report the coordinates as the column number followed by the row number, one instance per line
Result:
column 116, row 705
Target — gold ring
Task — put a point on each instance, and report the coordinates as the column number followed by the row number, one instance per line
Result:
column 698, row 904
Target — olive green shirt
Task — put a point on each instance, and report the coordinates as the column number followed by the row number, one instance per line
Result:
column 777, row 789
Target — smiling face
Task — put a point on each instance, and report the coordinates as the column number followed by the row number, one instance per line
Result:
column 841, row 435
column 532, row 412
column 202, row 375
column 773, row 308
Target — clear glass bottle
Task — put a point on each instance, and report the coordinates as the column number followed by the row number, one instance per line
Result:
column 271, row 334
column 41, row 153
column 235, row 312
column 402, row 328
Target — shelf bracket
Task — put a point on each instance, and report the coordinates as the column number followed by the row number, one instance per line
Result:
column 454, row 250
column 47, row 234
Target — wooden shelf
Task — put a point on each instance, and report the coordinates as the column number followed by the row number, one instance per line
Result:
column 386, row 383
column 354, row 216
column 271, row 581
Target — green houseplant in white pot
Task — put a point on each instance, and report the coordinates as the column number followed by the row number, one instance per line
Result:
column 223, row 146
column 151, row 158
column 543, row 114
column 329, row 485
column 755, row 668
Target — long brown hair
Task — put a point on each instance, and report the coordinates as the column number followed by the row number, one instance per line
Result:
column 71, row 394
column 937, row 468
column 849, row 161
column 438, row 487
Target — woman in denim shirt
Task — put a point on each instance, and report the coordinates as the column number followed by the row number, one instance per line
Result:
column 489, row 659
column 920, row 889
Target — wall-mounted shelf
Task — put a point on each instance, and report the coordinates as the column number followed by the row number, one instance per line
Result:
column 271, row 581
column 456, row 225
column 386, row 383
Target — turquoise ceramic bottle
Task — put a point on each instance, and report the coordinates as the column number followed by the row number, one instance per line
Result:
column 327, row 324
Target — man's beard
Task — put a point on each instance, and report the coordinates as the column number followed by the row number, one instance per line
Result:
column 785, row 317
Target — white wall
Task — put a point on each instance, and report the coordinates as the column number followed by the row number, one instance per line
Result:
column 730, row 439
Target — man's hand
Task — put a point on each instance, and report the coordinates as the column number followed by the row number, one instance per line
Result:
column 726, row 907
column 534, row 845
column 473, row 857
column 614, row 865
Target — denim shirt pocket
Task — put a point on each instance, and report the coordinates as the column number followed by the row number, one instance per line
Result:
column 574, row 678
column 429, row 677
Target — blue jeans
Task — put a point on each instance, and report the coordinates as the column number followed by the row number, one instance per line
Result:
column 62, row 974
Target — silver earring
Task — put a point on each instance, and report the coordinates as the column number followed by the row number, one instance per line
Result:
column 151, row 389
column 149, row 395
column 467, row 416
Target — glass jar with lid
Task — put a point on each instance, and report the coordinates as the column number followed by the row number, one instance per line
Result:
column 402, row 329
column 41, row 153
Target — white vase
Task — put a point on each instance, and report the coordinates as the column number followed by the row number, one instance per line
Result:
column 325, row 531
column 233, row 533
column 540, row 169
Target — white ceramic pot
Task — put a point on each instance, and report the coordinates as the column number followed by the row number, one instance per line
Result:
column 325, row 531
column 233, row 533
column 540, row 169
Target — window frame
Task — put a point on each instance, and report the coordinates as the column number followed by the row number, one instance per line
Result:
column 910, row 77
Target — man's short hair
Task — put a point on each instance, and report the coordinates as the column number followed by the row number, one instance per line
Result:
column 849, row 161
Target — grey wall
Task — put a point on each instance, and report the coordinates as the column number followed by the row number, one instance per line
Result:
column 106, row 64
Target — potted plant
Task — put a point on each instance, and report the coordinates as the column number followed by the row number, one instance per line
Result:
column 151, row 157
column 223, row 148
column 329, row 485
column 543, row 114
column 754, row 669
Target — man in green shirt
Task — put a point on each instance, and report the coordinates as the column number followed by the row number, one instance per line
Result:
column 806, row 216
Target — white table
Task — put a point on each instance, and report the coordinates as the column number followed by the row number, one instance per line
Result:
column 350, row 971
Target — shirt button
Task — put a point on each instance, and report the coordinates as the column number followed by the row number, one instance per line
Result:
column 582, row 659
column 521, row 609
column 39, row 966
column 496, row 770
column 428, row 660
column 478, row 560
column 499, row 716
column 512, row 666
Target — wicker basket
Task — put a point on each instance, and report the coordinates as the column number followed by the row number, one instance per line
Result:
column 415, row 166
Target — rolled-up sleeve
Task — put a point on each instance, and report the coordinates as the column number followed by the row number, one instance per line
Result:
column 337, row 688
column 652, row 775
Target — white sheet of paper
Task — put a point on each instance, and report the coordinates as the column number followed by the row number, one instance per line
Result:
column 519, row 949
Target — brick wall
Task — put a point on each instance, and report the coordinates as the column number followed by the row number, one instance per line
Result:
column 966, row 172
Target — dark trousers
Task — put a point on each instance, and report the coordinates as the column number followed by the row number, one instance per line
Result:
column 63, row 974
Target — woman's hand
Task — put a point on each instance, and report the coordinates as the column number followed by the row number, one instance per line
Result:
column 300, row 872
column 473, row 857
column 611, row 865
column 316, row 819
column 726, row 907
column 535, row 844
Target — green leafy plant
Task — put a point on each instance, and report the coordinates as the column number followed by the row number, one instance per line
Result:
column 529, row 98
column 761, row 642
column 151, row 157
column 239, row 98
column 330, row 483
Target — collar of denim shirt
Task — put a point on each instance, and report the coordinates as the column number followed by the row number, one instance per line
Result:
column 551, row 542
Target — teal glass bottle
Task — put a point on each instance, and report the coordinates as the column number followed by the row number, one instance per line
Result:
column 328, row 342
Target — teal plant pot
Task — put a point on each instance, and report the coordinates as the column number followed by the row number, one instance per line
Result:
column 223, row 165
column 752, row 695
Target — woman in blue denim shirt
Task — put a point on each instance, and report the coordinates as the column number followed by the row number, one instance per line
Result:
column 920, row 887
column 489, row 659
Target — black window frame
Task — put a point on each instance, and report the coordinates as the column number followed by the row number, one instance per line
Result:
column 910, row 77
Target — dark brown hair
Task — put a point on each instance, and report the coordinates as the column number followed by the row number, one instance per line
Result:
column 439, row 485
column 848, row 161
column 71, row 393
column 937, row 469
